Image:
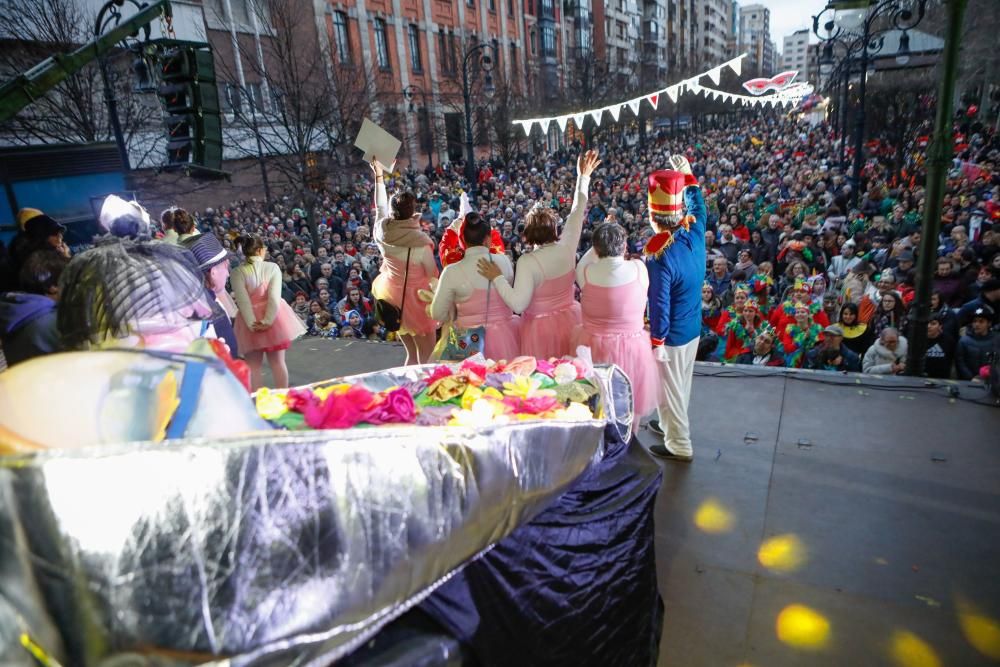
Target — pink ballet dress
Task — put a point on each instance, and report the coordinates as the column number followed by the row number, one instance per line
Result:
column 279, row 336
column 614, row 330
column 388, row 285
column 549, row 322
column 503, row 340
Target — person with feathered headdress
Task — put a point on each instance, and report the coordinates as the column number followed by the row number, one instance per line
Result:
column 452, row 247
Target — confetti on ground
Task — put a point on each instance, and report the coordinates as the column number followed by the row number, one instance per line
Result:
column 930, row 602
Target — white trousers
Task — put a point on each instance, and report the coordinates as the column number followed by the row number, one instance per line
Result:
column 676, row 374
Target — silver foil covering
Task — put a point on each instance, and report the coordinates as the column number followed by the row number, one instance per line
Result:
column 267, row 549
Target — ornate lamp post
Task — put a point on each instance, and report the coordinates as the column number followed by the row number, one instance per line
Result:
column 479, row 58
column 862, row 25
column 409, row 93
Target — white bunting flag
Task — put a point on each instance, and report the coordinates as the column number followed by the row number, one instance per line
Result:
column 578, row 120
column 526, row 126
column 562, row 122
column 737, row 65
column 596, row 115
column 615, row 110
column 714, row 73
column 672, row 93
column 545, row 125
column 634, row 105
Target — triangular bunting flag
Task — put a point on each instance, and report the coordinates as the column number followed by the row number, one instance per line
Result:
column 672, row 93
column 714, row 73
column 615, row 110
column 634, row 105
column 562, row 122
column 596, row 116
column 526, row 126
column 545, row 122
column 737, row 65
column 653, row 99
column 578, row 120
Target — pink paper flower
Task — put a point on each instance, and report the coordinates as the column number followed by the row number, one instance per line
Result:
column 438, row 373
column 475, row 372
column 396, row 407
column 545, row 367
column 340, row 410
column 535, row 405
column 299, row 399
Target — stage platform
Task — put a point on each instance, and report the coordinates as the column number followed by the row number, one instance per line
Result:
column 826, row 519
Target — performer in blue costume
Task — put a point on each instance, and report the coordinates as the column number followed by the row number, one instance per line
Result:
column 675, row 260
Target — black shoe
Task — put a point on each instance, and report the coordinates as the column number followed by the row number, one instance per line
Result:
column 662, row 452
column 654, row 426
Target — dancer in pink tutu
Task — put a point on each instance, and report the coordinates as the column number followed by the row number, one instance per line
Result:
column 266, row 325
column 464, row 293
column 543, row 287
column 614, row 301
column 408, row 265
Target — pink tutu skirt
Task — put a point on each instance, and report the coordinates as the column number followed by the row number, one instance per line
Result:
column 416, row 321
column 633, row 354
column 503, row 339
column 279, row 336
column 551, row 334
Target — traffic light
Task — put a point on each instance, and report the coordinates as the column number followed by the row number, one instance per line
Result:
column 190, row 101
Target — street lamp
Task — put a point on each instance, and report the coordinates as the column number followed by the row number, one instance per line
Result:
column 481, row 57
column 409, row 93
column 860, row 25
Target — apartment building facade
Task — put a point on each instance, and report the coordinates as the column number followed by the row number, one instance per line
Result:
column 755, row 39
column 795, row 53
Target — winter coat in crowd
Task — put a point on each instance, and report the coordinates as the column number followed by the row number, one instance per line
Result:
column 27, row 326
column 972, row 354
column 879, row 359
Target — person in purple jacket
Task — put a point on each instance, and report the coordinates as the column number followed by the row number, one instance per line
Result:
column 675, row 260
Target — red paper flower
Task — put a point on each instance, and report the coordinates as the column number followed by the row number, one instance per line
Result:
column 237, row 367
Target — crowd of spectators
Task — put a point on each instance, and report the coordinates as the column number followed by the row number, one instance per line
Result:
column 801, row 271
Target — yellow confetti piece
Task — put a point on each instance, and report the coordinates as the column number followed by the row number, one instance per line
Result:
column 909, row 650
column 784, row 553
column 803, row 628
column 979, row 629
column 712, row 517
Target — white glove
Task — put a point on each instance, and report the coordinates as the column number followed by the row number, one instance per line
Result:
column 680, row 163
column 660, row 353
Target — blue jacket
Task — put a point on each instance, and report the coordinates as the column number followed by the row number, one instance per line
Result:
column 675, row 279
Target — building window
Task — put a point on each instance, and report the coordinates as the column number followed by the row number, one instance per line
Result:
column 342, row 37
column 470, row 3
column 232, row 100
column 548, row 41
column 513, row 60
column 492, row 4
column 415, row 60
column 534, row 42
column 382, row 45
column 510, row 8
column 454, row 52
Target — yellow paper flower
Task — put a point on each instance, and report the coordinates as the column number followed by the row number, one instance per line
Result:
column 270, row 404
column 526, row 387
column 575, row 412
column 322, row 392
column 471, row 395
column 492, row 393
column 481, row 413
column 447, row 388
